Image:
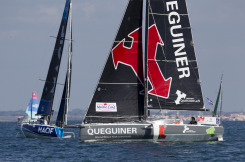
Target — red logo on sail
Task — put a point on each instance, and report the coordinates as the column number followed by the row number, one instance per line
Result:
column 132, row 56
column 160, row 85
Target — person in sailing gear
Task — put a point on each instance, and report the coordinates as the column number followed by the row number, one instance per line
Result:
column 193, row 121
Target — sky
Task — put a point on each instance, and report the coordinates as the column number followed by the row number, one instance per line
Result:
column 218, row 28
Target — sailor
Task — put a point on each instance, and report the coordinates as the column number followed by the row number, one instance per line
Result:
column 193, row 121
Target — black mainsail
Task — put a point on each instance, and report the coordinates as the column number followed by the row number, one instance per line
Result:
column 46, row 102
column 119, row 94
column 173, row 77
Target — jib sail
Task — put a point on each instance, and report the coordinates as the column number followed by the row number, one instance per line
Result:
column 119, row 95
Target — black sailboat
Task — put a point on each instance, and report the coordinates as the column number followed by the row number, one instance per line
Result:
column 43, row 129
column 151, row 65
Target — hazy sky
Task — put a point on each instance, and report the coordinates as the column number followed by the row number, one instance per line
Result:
column 218, row 28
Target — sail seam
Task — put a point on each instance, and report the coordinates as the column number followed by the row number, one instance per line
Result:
column 169, row 60
column 129, row 41
column 167, row 14
column 122, row 83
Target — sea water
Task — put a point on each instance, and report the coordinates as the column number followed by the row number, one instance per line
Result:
column 14, row 148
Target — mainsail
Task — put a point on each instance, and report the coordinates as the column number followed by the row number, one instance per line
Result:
column 173, row 77
column 119, row 95
column 45, row 106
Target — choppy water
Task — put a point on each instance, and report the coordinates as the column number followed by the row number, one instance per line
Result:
column 14, row 148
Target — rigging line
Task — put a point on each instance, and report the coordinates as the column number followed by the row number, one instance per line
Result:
column 154, row 88
column 168, row 60
column 63, row 38
column 121, row 83
column 128, row 41
column 160, row 47
column 166, row 14
column 51, row 82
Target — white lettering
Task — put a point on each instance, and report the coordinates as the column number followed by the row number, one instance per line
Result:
column 173, row 5
column 181, row 47
column 177, row 34
column 123, row 130
column 108, row 131
column 182, row 60
column 45, row 130
column 178, row 39
column 114, row 132
column 185, row 72
column 102, row 131
column 90, row 131
column 171, row 18
column 39, row 129
column 134, row 130
column 129, row 130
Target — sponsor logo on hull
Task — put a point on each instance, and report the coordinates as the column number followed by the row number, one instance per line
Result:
column 188, row 130
column 46, row 130
column 210, row 131
column 112, row 131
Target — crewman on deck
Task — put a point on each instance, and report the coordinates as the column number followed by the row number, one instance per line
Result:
column 193, row 121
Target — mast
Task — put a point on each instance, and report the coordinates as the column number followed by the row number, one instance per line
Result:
column 146, row 59
column 64, row 104
column 69, row 65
